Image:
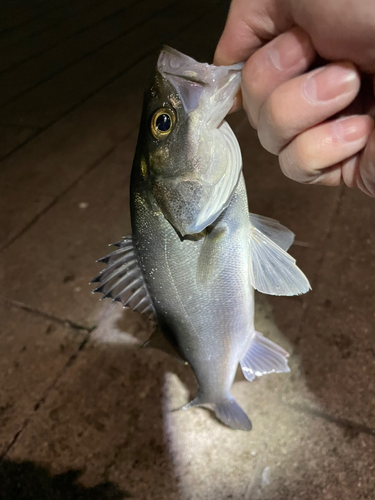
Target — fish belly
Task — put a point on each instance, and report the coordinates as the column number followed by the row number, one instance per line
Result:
column 200, row 291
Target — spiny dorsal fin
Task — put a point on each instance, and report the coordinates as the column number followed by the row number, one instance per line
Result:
column 122, row 279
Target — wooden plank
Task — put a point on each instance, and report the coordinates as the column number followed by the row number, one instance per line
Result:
column 34, row 351
column 15, row 13
column 12, row 136
column 53, row 160
column 45, row 17
column 47, row 102
column 44, row 40
column 105, row 413
column 17, row 209
column 63, row 55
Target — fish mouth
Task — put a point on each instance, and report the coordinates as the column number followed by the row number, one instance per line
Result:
column 189, row 78
column 175, row 63
column 203, row 86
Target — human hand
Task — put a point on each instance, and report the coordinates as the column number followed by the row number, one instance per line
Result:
column 318, row 122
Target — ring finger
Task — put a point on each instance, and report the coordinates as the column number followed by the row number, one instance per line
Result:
column 316, row 155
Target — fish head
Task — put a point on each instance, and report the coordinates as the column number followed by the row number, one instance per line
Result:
column 189, row 155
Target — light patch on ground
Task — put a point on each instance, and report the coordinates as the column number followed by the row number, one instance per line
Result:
column 213, row 462
column 114, row 327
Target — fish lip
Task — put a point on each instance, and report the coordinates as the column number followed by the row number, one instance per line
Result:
column 194, row 81
column 187, row 78
column 199, row 67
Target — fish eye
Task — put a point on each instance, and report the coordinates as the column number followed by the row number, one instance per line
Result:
column 162, row 123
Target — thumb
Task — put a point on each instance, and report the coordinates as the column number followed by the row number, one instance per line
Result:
column 250, row 24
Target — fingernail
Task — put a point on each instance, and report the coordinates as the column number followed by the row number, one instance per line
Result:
column 288, row 49
column 351, row 129
column 330, row 82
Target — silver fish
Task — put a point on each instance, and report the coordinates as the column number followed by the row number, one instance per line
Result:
column 196, row 254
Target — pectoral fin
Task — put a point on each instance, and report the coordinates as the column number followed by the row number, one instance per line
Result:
column 272, row 270
column 264, row 356
column 275, row 231
column 208, row 264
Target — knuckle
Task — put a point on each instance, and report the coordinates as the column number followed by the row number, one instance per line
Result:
column 287, row 164
column 248, row 76
column 273, row 127
column 305, row 155
column 276, row 115
column 252, row 91
column 271, row 131
column 297, row 161
column 251, row 78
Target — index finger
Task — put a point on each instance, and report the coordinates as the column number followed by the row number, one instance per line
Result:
column 250, row 24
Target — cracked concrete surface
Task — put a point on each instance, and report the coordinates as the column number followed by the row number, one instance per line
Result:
column 85, row 414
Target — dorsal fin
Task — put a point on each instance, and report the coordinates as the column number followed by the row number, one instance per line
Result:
column 122, row 279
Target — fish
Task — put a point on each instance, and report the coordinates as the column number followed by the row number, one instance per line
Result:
column 196, row 254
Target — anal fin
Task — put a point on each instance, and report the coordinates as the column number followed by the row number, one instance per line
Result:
column 264, row 356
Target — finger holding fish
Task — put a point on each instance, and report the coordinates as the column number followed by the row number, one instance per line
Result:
column 316, row 155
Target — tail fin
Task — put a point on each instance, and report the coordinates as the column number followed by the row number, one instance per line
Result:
column 232, row 415
column 264, row 356
column 227, row 411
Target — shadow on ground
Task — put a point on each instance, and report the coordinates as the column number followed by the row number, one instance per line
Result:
column 104, row 419
column 29, row 481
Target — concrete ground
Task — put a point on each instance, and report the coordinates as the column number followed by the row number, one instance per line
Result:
column 84, row 414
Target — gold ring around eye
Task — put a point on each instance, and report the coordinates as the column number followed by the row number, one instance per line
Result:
column 162, row 123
